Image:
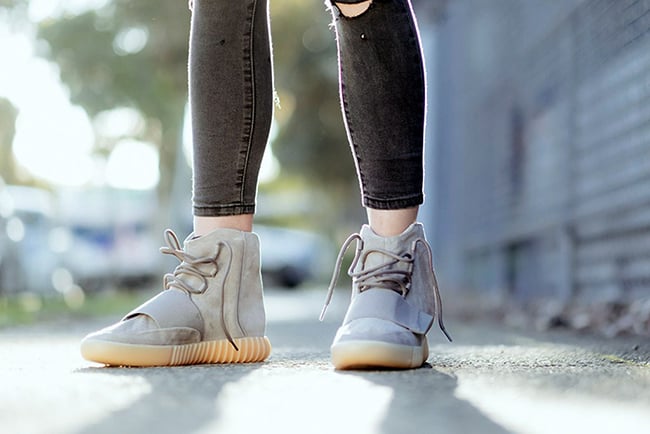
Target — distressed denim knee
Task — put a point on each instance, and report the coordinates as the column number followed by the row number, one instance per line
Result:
column 382, row 89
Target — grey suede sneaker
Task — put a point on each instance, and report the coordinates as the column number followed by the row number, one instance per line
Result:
column 395, row 300
column 210, row 311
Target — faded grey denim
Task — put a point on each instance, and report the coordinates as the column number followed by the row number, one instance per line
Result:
column 231, row 97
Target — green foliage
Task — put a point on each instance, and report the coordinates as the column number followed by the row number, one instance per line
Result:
column 28, row 308
column 312, row 139
column 153, row 80
column 10, row 3
column 101, row 76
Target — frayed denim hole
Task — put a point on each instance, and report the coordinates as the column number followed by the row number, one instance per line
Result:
column 340, row 14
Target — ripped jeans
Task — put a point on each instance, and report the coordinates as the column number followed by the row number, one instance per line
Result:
column 382, row 92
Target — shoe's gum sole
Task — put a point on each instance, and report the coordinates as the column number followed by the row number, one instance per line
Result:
column 373, row 355
column 252, row 349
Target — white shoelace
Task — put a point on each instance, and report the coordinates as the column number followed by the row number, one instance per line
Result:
column 383, row 275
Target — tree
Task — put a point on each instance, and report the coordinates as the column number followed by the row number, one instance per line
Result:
column 131, row 54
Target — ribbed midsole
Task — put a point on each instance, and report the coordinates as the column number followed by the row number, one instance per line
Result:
column 251, row 349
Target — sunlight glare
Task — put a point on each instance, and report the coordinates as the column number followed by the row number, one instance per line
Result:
column 119, row 122
column 53, row 138
column 40, row 10
column 133, row 165
column 361, row 403
column 131, row 40
column 55, row 147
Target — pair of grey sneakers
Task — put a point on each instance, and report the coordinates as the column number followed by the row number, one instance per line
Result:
column 212, row 308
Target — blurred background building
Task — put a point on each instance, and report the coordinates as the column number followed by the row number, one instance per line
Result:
column 538, row 150
column 542, row 171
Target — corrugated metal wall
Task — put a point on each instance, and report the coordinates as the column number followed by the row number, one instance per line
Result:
column 542, row 138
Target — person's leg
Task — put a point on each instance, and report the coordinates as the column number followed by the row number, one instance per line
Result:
column 383, row 100
column 211, row 309
column 395, row 296
column 231, row 90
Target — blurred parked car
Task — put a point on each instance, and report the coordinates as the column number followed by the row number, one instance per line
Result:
column 27, row 259
column 291, row 257
column 111, row 237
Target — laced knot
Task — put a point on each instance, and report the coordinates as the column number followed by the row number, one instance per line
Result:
column 201, row 268
column 386, row 275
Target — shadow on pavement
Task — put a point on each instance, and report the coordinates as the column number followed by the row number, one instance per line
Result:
column 181, row 402
column 424, row 401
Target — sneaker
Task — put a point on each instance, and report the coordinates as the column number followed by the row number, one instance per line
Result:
column 210, row 311
column 395, row 300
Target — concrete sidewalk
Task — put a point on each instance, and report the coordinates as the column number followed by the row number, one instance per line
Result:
column 490, row 380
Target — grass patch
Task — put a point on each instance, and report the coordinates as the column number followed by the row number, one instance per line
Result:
column 29, row 308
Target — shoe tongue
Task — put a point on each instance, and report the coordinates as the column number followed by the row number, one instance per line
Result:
column 200, row 246
column 205, row 246
column 399, row 245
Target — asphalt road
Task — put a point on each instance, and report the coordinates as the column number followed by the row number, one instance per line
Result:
column 490, row 380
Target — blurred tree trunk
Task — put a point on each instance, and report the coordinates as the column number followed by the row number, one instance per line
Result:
column 8, row 115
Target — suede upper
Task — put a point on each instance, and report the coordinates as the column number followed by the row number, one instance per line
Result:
column 393, row 297
column 224, row 301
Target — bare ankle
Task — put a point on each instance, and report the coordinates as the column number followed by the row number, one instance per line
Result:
column 205, row 225
column 388, row 223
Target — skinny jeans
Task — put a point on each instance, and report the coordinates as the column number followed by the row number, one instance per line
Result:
column 382, row 92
